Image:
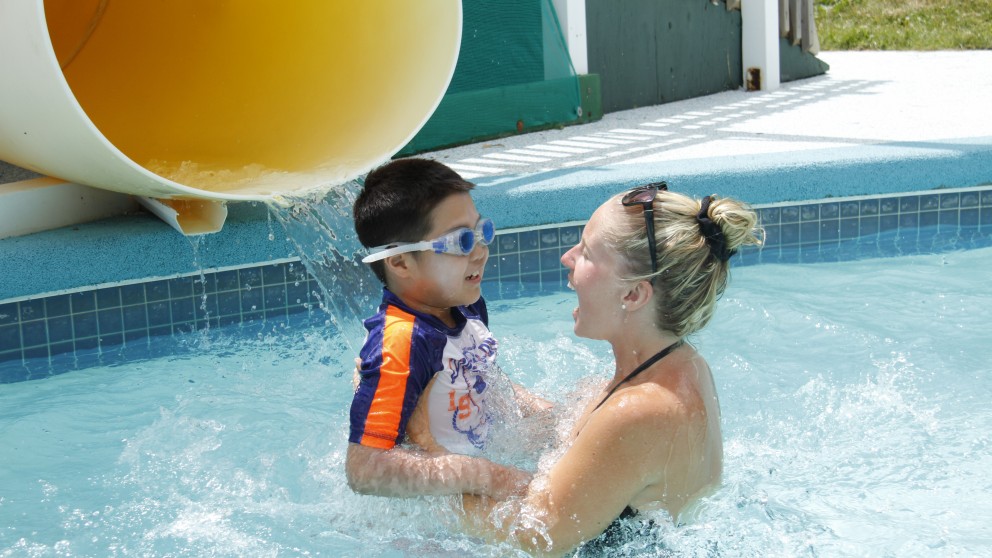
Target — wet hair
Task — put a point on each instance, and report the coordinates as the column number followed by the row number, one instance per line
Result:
column 692, row 270
column 397, row 199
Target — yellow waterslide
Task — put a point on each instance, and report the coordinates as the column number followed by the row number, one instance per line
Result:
column 218, row 100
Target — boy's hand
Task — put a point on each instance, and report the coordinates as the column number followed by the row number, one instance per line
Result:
column 356, row 378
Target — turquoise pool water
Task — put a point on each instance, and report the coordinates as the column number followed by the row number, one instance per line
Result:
column 855, row 415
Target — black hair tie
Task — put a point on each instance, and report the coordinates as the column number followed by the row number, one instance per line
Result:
column 713, row 232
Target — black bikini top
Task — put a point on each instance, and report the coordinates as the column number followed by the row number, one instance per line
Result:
column 644, row 366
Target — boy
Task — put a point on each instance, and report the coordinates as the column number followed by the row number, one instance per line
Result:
column 429, row 340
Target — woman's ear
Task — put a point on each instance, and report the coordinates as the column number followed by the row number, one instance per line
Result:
column 639, row 295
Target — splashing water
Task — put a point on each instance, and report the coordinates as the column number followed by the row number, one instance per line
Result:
column 854, row 401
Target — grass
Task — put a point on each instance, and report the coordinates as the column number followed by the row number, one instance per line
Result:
column 904, row 24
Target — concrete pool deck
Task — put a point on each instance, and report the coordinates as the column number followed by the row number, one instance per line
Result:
column 876, row 123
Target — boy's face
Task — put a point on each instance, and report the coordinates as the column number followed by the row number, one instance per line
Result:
column 439, row 281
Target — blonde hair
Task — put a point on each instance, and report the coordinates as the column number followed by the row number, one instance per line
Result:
column 690, row 276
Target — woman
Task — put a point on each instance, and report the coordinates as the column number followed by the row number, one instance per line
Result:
column 647, row 271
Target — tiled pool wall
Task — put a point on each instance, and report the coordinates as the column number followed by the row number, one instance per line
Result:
column 111, row 318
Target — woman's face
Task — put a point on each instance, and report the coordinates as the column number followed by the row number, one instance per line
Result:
column 594, row 275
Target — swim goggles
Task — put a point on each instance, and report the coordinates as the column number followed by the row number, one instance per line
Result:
column 459, row 242
column 644, row 197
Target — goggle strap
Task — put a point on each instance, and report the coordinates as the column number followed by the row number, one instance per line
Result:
column 382, row 252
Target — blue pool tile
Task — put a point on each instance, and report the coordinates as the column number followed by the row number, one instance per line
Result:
column 969, row 199
column 274, row 297
column 206, row 307
column 34, row 333
column 59, row 329
column 110, row 321
column 36, row 352
column 570, row 236
column 10, row 337
column 888, row 222
column 985, row 198
column 252, row 316
column 182, row 310
column 57, row 306
column 849, row 209
column 869, row 207
column 809, row 212
column 549, row 238
column 274, row 274
column 509, row 265
column 530, row 262
column 228, row 303
column 909, row 221
column 251, row 300
column 135, row 317
column 909, row 204
column 888, row 206
column 159, row 314
column 789, row 214
column 276, row 314
column 205, row 284
column 32, row 309
column 928, row 219
column 227, row 280
column 111, row 339
column 830, row 210
column 180, row 287
column 507, row 243
column 61, row 348
column 528, row 240
column 985, row 216
column 296, row 293
column 551, row 259
column 868, row 226
column 229, row 320
column 84, row 325
column 159, row 331
column 948, row 218
column 82, row 344
column 109, row 297
column 950, row 200
column 135, row 336
column 552, row 279
column 133, row 294
column 250, row 277
column 809, row 232
column 492, row 269
column 156, row 291
column 747, row 257
column 296, row 272
column 929, row 202
column 9, row 313
column 849, row 228
column 769, row 216
column 773, row 235
column 789, row 234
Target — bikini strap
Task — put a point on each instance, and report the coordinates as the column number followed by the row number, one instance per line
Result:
column 644, row 366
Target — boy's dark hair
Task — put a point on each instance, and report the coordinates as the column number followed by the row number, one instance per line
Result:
column 397, row 199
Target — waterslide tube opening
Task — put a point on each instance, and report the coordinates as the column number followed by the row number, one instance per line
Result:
column 219, row 99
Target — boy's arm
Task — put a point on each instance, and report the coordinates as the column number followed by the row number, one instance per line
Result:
column 402, row 472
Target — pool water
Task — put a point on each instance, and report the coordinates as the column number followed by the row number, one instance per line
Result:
column 855, row 416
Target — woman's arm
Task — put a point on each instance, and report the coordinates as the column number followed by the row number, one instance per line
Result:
column 622, row 449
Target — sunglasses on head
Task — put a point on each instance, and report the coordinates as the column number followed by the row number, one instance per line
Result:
column 459, row 242
column 644, row 196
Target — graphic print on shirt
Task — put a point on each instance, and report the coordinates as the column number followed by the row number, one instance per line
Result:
column 467, row 390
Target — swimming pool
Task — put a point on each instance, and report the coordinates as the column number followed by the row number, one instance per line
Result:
column 854, row 398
